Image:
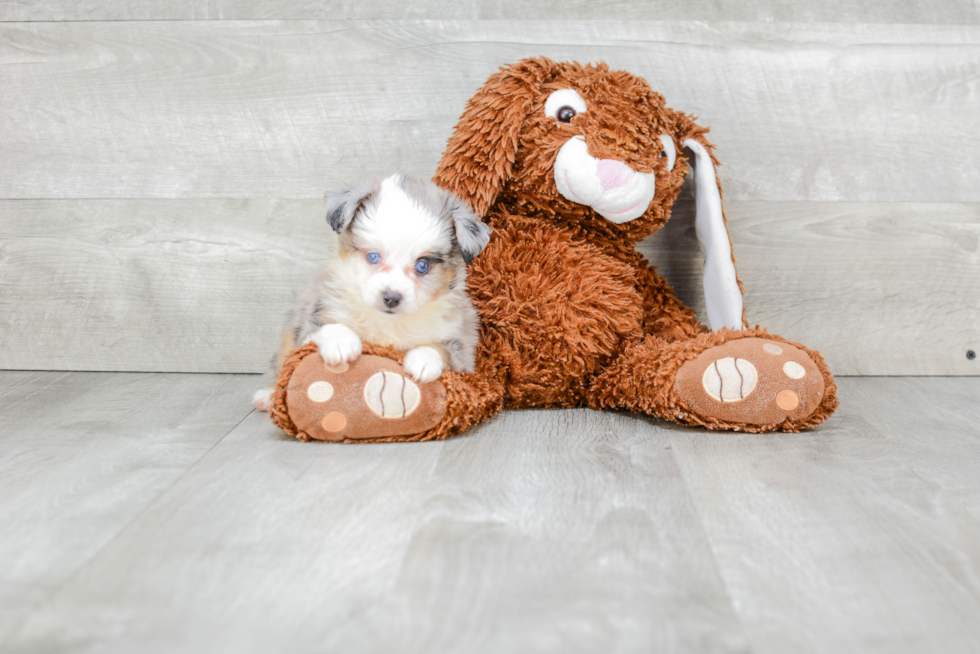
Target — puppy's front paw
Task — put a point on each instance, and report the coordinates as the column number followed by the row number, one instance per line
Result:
column 424, row 364
column 262, row 399
column 337, row 344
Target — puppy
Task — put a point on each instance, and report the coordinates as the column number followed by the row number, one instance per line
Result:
column 396, row 276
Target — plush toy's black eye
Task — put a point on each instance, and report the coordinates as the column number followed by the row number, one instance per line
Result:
column 565, row 114
column 564, row 104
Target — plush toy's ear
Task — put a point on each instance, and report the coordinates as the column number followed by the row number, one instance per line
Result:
column 722, row 288
column 480, row 154
column 342, row 205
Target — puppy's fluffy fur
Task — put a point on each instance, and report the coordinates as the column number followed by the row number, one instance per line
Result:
column 396, row 276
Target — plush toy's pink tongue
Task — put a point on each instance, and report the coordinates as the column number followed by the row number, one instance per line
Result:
column 613, row 174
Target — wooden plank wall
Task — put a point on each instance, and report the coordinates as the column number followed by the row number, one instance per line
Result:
column 161, row 171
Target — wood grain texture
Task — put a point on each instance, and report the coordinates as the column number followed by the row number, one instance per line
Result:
column 83, row 454
column 890, row 11
column 192, row 285
column 203, row 285
column 543, row 531
column 937, row 441
column 835, row 541
column 840, row 11
column 878, row 288
column 61, row 10
column 268, row 109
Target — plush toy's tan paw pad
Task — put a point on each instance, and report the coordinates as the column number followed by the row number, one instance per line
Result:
column 369, row 398
column 751, row 381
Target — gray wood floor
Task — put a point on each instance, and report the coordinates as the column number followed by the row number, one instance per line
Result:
column 162, row 165
column 157, row 512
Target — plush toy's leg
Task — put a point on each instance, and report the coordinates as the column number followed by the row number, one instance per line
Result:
column 745, row 380
column 373, row 400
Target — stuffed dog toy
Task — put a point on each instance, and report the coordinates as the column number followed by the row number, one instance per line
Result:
column 572, row 166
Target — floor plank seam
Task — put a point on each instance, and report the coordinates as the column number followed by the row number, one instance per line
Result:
column 711, row 547
column 39, row 605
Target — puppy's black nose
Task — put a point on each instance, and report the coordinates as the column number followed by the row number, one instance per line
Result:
column 391, row 299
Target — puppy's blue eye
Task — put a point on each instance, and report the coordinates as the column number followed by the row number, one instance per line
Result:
column 421, row 266
column 373, row 257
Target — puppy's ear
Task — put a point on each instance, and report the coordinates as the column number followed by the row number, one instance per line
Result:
column 480, row 154
column 343, row 205
column 471, row 234
column 722, row 288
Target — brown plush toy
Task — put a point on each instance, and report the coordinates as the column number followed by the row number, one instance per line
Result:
column 572, row 166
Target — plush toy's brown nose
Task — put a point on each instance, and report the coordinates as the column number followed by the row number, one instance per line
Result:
column 391, row 299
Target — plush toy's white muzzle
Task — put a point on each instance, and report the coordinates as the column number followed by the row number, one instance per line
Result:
column 620, row 194
column 616, row 192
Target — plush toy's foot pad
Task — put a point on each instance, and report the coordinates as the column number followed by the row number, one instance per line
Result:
column 751, row 381
column 369, row 398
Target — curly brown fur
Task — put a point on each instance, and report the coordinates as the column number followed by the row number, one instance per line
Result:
column 641, row 380
column 502, row 152
column 562, row 292
column 572, row 315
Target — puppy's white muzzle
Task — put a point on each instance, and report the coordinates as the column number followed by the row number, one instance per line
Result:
column 616, row 192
